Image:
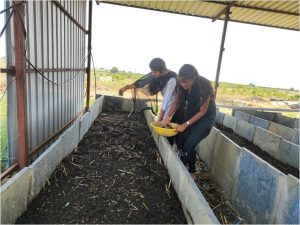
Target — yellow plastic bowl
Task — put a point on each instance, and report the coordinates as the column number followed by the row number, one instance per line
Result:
column 166, row 132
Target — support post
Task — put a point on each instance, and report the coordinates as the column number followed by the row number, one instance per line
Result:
column 88, row 69
column 19, row 40
column 221, row 50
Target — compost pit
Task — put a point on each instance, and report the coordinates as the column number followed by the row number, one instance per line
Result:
column 225, row 212
column 114, row 176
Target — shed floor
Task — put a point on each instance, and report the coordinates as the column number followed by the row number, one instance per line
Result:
column 113, row 177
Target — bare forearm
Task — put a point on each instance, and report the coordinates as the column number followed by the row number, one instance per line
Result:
column 129, row 86
column 173, row 109
column 202, row 111
column 196, row 117
column 125, row 88
column 161, row 115
column 174, row 106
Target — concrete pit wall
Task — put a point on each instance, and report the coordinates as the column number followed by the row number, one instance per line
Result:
column 19, row 191
column 261, row 193
column 287, row 133
column 112, row 103
column 277, row 146
column 284, row 120
column 273, row 117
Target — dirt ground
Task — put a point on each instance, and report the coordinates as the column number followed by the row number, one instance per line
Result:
column 113, row 177
column 285, row 168
column 116, row 176
column 222, row 208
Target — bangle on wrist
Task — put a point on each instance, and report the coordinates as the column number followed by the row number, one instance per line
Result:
column 187, row 123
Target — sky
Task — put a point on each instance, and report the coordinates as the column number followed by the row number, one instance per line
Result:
column 129, row 38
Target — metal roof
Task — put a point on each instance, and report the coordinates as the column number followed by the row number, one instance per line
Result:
column 279, row 14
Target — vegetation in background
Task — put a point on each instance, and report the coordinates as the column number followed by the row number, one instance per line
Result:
column 228, row 93
column 3, row 125
column 241, row 90
column 3, row 132
column 117, row 75
column 237, row 90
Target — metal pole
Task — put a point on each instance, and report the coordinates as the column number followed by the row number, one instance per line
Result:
column 9, row 171
column 221, row 50
column 61, row 7
column 19, row 39
column 88, row 69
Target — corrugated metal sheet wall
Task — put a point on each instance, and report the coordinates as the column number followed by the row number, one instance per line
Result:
column 53, row 41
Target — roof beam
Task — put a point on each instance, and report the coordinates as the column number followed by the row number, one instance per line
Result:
column 255, row 8
column 224, row 11
column 60, row 6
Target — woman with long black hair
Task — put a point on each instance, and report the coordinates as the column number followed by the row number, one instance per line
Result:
column 196, row 113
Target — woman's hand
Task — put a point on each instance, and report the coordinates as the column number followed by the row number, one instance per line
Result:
column 159, row 118
column 161, row 115
column 125, row 88
column 181, row 127
column 167, row 119
column 122, row 90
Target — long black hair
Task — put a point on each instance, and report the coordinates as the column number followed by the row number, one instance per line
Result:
column 201, row 89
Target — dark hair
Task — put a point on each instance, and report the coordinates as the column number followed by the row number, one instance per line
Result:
column 188, row 71
column 202, row 88
column 157, row 64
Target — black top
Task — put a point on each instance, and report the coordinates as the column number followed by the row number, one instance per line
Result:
column 143, row 81
column 155, row 84
column 190, row 103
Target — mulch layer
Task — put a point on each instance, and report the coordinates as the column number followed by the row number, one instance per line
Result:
column 243, row 142
column 225, row 212
column 114, row 176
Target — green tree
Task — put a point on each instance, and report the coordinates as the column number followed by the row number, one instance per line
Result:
column 114, row 69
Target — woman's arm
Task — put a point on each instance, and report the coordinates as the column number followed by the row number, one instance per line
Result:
column 167, row 96
column 196, row 117
column 173, row 109
column 125, row 88
column 137, row 84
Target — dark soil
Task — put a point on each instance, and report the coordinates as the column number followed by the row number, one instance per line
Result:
column 243, row 142
column 222, row 208
column 115, row 176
